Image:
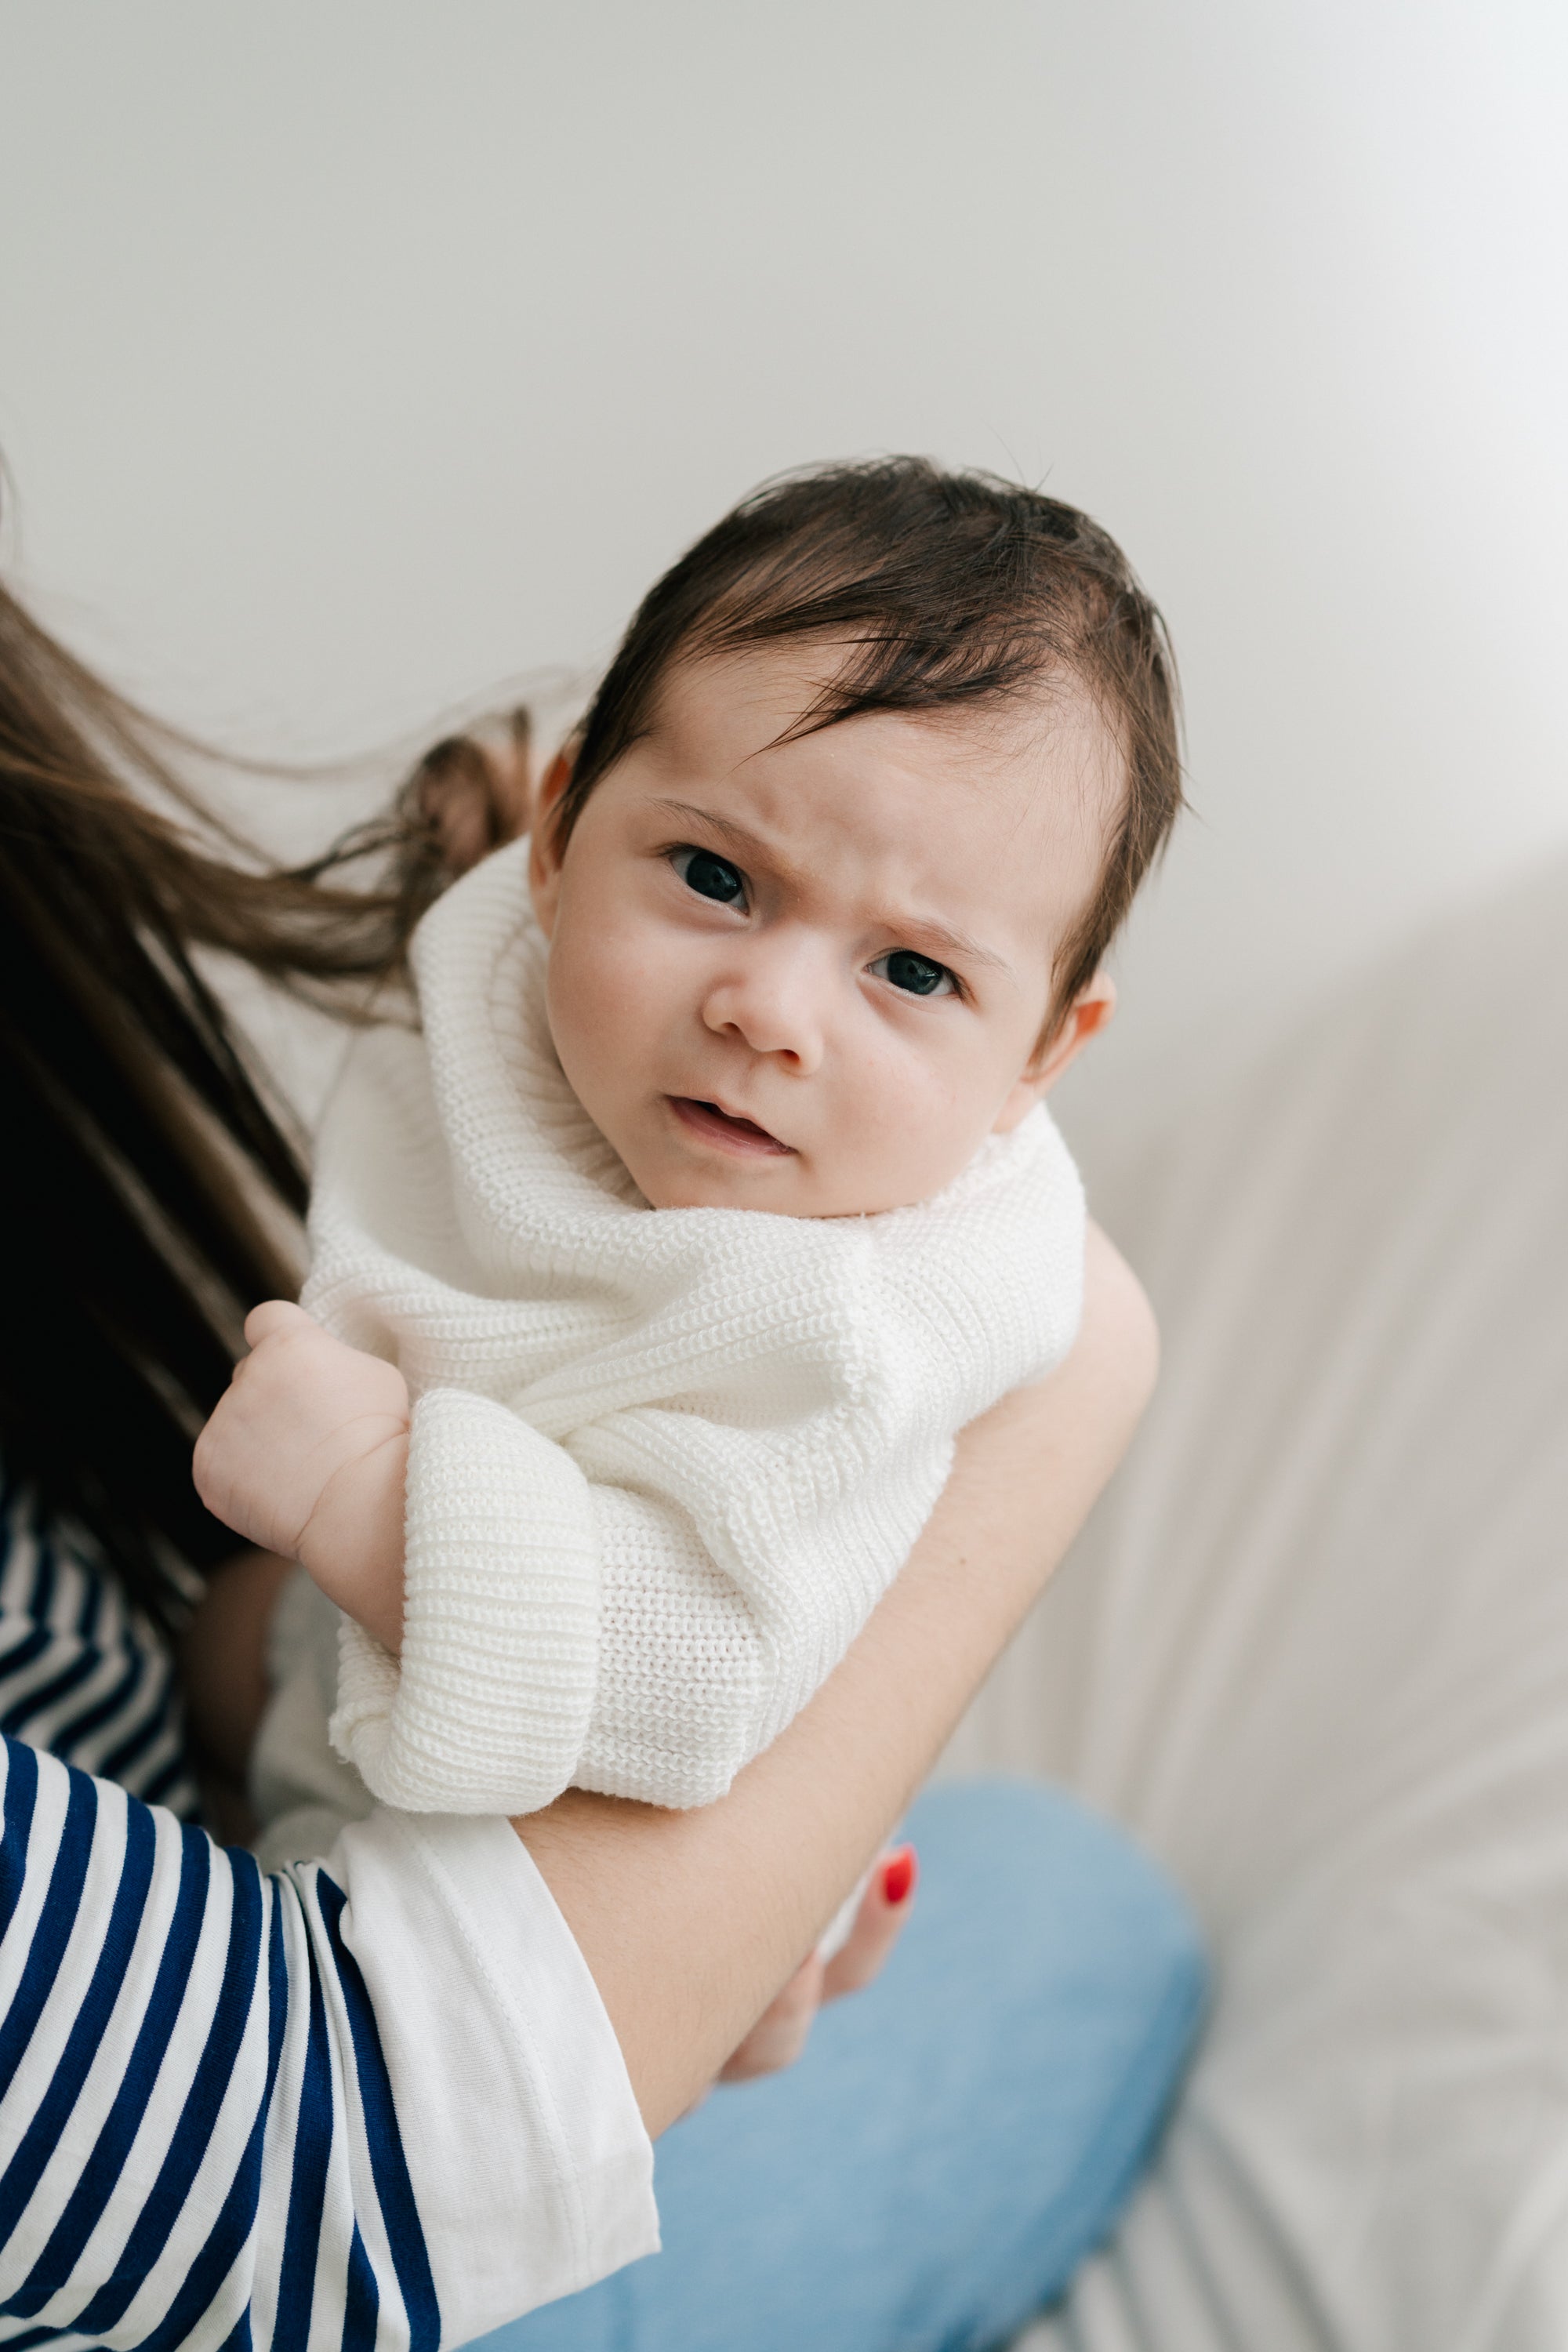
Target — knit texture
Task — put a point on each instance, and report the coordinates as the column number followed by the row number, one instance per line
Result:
column 662, row 1462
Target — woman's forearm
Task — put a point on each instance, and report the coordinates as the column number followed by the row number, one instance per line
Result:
column 690, row 1922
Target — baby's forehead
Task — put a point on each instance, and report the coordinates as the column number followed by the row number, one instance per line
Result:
column 1054, row 730
column 1041, row 789
column 1054, row 739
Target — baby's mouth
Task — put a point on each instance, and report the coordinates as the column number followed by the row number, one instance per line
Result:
column 742, row 1136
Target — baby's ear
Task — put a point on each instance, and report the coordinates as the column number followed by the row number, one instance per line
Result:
column 544, row 854
column 1084, row 1017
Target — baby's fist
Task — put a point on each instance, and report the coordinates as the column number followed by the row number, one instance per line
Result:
column 302, row 1410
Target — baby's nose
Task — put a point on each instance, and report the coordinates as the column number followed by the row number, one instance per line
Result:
column 770, row 1004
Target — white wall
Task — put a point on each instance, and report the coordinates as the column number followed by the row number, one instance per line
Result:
column 354, row 358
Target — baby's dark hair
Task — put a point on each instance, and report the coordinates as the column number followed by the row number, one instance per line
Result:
column 951, row 591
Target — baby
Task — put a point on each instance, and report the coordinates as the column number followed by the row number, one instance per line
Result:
column 654, row 1277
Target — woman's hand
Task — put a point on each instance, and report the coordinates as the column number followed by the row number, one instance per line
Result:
column 783, row 2029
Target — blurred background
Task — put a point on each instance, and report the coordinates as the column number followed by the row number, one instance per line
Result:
column 356, row 363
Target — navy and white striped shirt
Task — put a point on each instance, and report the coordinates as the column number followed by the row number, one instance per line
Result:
column 82, row 1673
column 174, row 2024
column 370, row 2104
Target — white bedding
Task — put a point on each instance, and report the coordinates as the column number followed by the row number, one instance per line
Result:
column 1315, row 1652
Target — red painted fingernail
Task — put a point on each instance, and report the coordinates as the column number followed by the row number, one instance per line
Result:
column 899, row 1876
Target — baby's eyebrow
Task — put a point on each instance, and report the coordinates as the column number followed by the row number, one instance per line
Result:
column 958, row 944
column 750, row 842
column 926, row 930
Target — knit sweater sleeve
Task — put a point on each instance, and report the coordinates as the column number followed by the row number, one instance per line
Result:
column 488, row 1709
column 647, row 1675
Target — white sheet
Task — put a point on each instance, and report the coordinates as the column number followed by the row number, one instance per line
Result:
column 1315, row 1652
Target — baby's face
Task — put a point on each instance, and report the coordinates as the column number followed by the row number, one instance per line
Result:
column 811, row 977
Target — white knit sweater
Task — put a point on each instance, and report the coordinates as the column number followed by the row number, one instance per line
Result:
column 663, row 1461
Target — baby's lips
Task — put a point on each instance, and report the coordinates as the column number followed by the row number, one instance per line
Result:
column 703, row 1112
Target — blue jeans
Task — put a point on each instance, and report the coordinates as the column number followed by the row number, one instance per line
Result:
column 955, row 2138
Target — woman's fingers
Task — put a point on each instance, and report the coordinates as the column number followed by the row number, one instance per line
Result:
column 782, row 2030
column 879, row 1922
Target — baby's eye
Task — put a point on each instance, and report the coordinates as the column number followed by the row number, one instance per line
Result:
column 710, row 877
column 915, row 974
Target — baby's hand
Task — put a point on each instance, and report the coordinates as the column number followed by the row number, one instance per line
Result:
column 306, row 1454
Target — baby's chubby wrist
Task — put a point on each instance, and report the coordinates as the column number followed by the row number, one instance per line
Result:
column 352, row 1545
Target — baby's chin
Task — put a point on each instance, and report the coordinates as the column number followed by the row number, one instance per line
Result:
column 794, row 1188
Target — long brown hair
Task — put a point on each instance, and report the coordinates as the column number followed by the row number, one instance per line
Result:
column 145, row 1172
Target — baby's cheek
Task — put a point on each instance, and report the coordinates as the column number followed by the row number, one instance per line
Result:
column 880, row 1130
column 929, row 1120
column 600, row 1004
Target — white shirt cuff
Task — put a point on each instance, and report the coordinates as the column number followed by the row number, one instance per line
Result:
column 529, row 2164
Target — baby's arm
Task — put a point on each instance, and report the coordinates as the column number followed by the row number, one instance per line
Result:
column 306, row 1454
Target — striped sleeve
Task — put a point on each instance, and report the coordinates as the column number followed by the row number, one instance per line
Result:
column 370, row 2103
column 83, row 1673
